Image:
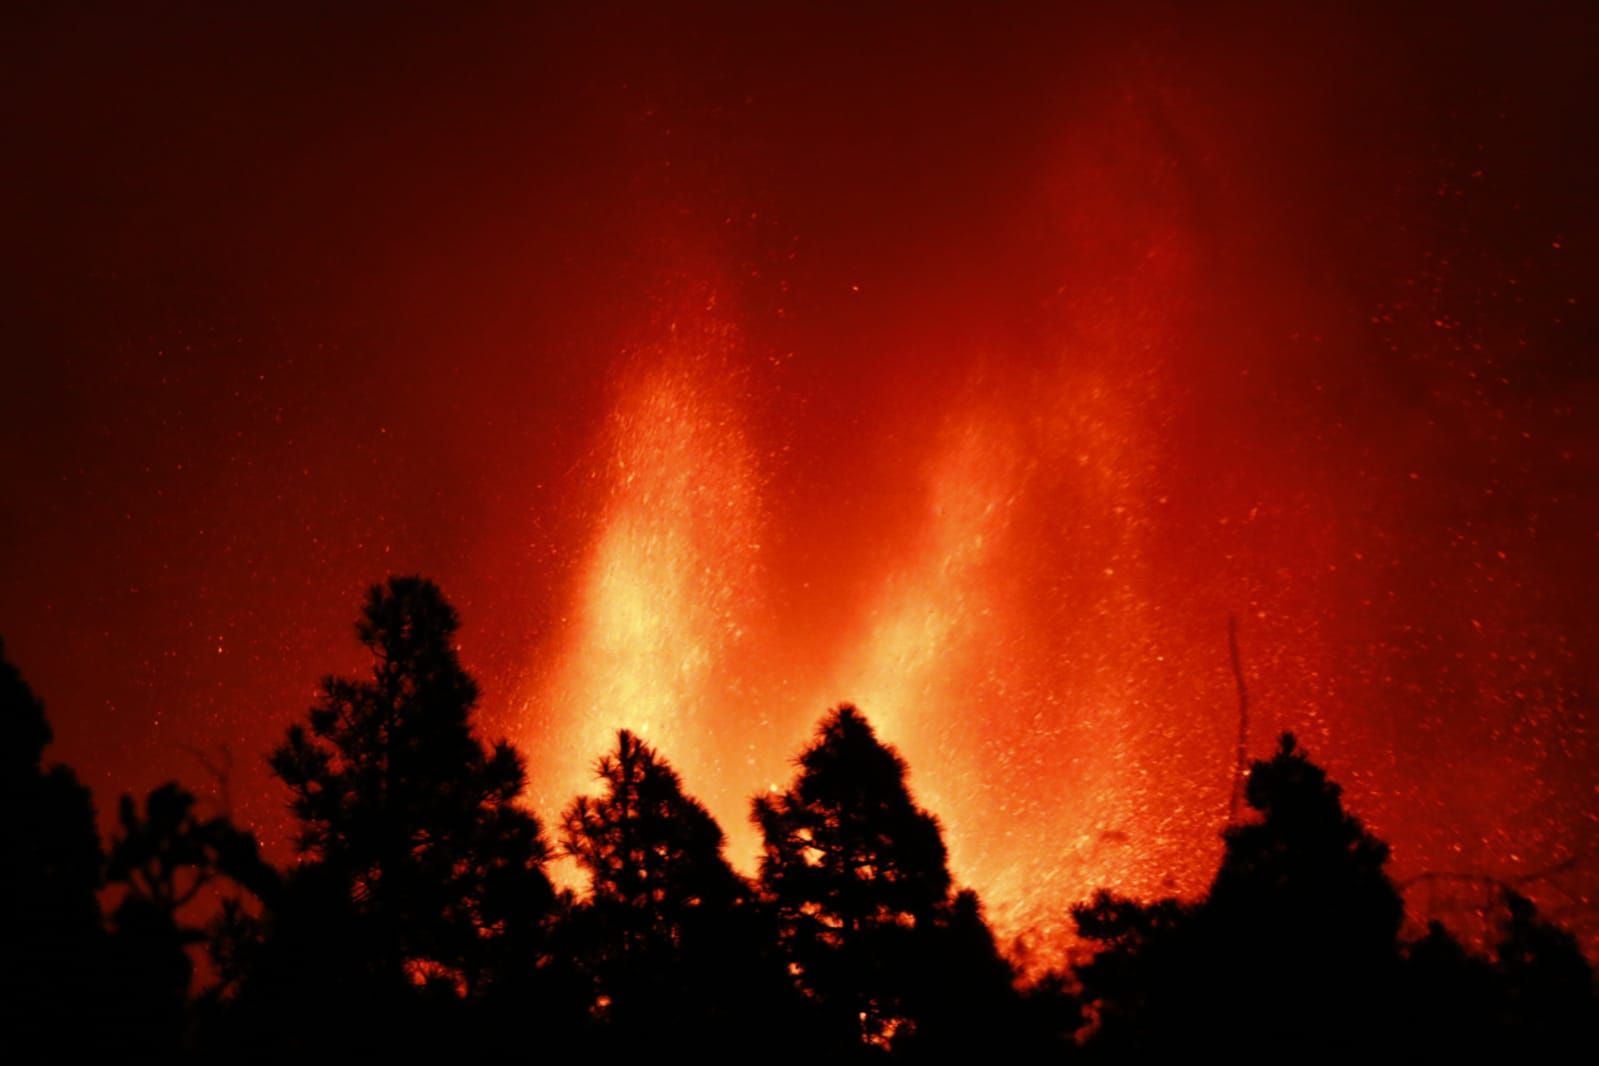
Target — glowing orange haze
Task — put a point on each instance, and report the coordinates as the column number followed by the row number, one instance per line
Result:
column 1038, row 622
column 1017, row 672
column 1062, row 708
column 973, row 370
column 1051, row 668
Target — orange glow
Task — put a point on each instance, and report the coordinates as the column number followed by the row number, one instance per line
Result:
column 663, row 602
column 1041, row 346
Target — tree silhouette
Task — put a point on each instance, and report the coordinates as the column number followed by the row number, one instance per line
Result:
column 1143, row 974
column 652, row 853
column 51, row 938
column 966, row 1006
column 164, row 858
column 410, row 817
column 420, row 921
column 1295, row 948
column 1304, row 905
column 1453, row 1003
column 859, row 876
column 1308, row 858
column 1547, row 985
column 676, row 942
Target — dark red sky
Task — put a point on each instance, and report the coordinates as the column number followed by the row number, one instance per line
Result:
column 970, row 363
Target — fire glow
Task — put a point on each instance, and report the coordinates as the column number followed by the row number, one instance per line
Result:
column 973, row 374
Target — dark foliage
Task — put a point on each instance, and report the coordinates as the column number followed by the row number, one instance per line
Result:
column 1454, row 1002
column 1295, row 952
column 858, row 874
column 72, row 981
column 1532, row 1000
column 407, row 810
column 51, row 939
column 1547, row 986
column 1305, row 911
column 680, row 952
column 420, row 865
column 1295, row 949
column 652, row 853
column 420, row 921
column 164, row 859
column 856, row 871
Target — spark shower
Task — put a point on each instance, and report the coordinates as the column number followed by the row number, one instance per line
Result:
column 726, row 367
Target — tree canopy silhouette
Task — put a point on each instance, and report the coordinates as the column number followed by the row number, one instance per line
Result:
column 163, row 858
column 412, row 818
column 677, row 943
column 860, row 878
column 1547, row 984
column 1308, row 861
column 652, row 853
column 1296, row 946
column 1303, row 903
column 420, row 921
column 51, row 936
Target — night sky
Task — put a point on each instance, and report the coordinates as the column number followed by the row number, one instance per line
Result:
column 970, row 364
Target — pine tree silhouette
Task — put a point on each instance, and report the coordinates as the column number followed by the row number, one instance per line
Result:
column 413, row 823
column 679, row 947
column 1295, row 949
column 1307, row 857
column 420, row 922
column 1304, row 907
column 653, row 854
column 859, row 875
